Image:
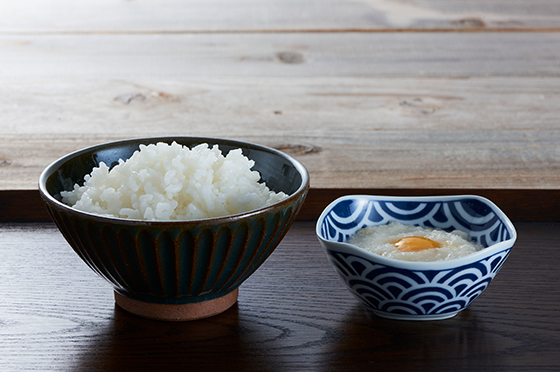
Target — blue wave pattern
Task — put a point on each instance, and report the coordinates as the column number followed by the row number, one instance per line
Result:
column 470, row 215
column 428, row 292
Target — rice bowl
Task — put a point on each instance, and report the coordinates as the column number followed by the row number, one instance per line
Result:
column 175, row 269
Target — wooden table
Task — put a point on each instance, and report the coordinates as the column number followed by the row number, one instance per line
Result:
column 397, row 97
column 293, row 314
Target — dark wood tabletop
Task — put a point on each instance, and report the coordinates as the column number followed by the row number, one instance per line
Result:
column 293, row 314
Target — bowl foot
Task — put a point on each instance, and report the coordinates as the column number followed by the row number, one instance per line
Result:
column 184, row 312
column 414, row 317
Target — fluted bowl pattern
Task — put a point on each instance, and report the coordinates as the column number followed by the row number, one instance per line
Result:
column 416, row 290
column 175, row 262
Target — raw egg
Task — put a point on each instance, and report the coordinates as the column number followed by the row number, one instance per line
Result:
column 413, row 243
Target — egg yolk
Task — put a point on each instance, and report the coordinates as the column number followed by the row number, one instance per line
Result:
column 415, row 244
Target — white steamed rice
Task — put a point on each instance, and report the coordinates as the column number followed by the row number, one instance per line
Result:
column 173, row 182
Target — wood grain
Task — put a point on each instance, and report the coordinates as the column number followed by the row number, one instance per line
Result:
column 349, row 133
column 292, row 314
column 360, row 110
column 375, row 131
column 42, row 59
column 274, row 15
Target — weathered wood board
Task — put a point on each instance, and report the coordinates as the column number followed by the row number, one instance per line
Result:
column 180, row 57
column 451, row 110
column 274, row 15
column 363, row 133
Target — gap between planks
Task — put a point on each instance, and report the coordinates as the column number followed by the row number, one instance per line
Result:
column 520, row 205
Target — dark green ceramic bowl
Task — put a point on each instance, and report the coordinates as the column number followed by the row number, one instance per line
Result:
column 175, row 270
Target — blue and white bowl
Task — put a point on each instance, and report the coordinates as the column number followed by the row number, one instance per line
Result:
column 416, row 290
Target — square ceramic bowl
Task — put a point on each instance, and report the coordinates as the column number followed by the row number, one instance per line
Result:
column 407, row 290
column 175, row 270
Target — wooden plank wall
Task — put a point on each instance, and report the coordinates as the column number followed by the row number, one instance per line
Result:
column 368, row 94
column 32, row 16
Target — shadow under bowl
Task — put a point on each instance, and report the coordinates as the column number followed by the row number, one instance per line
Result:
column 175, row 270
column 408, row 290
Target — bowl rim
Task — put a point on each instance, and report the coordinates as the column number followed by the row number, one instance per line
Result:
column 55, row 165
column 419, row 265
